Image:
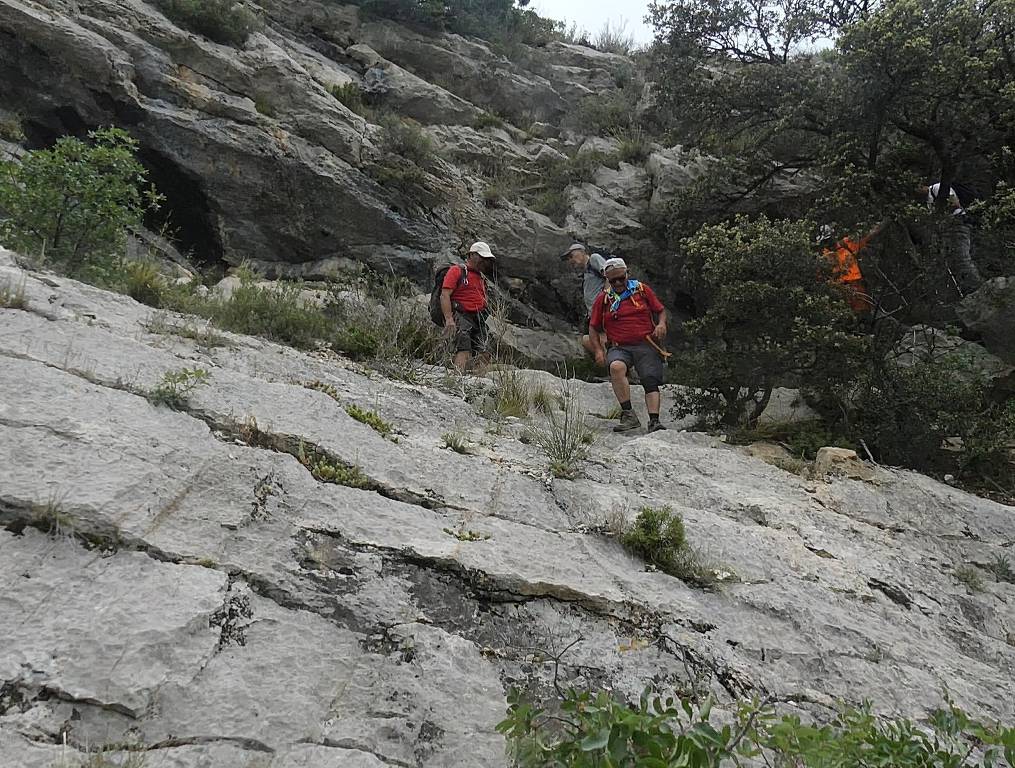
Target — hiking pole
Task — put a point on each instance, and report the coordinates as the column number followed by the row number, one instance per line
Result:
column 657, row 348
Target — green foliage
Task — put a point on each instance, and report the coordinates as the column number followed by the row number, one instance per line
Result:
column 224, row 21
column 511, row 394
column 276, row 312
column 175, row 387
column 1002, row 570
column 371, row 418
column 564, row 437
column 143, row 282
column 329, row 470
column 489, row 120
column 406, row 138
column 203, row 334
column 802, row 438
column 608, row 113
column 635, row 147
column 265, row 106
column 320, row 386
column 769, row 313
column 614, row 38
column 970, row 576
column 72, row 205
column 904, row 414
column 594, row 730
column 557, row 176
column 465, row 534
column 351, row 95
column 12, row 296
column 658, row 538
column 455, row 441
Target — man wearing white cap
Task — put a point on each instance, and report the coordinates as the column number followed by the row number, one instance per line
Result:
column 630, row 314
column 463, row 302
column 593, row 282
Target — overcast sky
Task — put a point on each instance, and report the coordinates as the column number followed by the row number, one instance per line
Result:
column 593, row 14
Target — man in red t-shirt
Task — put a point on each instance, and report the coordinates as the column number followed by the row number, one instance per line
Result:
column 628, row 311
column 463, row 302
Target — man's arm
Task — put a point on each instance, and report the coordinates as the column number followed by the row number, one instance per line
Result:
column 660, row 330
column 449, row 317
column 598, row 345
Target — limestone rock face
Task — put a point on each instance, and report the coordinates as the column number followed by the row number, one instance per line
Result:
column 990, row 311
column 180, row 580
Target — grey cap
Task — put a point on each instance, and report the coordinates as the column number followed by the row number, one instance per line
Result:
column 573, row 247
column 615, row 263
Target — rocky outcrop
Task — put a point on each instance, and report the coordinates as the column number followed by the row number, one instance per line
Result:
column 990, row 312
column 177, row 582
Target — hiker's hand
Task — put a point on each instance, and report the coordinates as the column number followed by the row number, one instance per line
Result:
column 450, row 327
column 659, row 332
column 600, row 358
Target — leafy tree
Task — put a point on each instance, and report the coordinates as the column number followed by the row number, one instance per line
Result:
column 771, row 316
column 223, row 21
column 73, row 204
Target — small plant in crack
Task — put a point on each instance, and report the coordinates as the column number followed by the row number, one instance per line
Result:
column 464, row 534
column 328, row 470
column 659, row 538
column 324, row 387
column 372, row 419
column 1002, row 570
column 175, row 387
column 105, row 760
column 969, row 576
column 53, row 519
column 455, row 441
column 12, row 296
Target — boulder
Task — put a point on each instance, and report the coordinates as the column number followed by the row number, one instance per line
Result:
column 990, row 312
column 408, row 94
column 969, row 360
column 597, row 217
column 673, row 170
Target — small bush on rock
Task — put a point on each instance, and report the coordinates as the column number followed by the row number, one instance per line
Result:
column 658, row 537
column 276, row 312
column 593, row 730
column 371, row 418
column 71, row 206
column 224, row 21
column 175, row 386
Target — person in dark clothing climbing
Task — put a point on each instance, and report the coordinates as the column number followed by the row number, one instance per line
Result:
column 593, row 283
column 633, row 319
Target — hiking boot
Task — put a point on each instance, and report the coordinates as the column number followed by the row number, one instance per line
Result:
column 655, row 426
column 628, row 421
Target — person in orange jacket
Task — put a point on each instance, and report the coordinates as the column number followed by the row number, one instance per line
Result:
column 846, row 267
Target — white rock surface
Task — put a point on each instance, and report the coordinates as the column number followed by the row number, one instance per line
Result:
column 181, row 580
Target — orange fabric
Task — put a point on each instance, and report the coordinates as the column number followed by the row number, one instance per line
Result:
column 846, row 270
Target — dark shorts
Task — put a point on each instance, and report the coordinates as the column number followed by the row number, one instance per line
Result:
column 472, row 334
column 642, row 357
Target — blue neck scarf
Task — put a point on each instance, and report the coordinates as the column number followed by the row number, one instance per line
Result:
column 615, row 298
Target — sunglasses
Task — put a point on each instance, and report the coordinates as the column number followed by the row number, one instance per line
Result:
column 621, row 279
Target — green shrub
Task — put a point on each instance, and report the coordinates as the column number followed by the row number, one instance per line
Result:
column 595, row 730
column 802, row 438
column 275, row 312
column 406, row 138
column 970, row 576
column 351, row 95
column 1002, row 570
column 455, row 441
column 224, row 21
column 614, row 38
column 329, row 470
column 635, row 147
column 371, row 418
column 658, row 538
column 175, row 386
column 489, row 120
column 72, row 205
column 328, row 389
column 769, row 314
column 550, row 197
column 511, row 395
column 564, row 437
column 143, row 282
column 904, row 414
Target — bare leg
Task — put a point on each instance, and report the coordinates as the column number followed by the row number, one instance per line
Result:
column 652, row 401
column 461, row 361
column 618, row 377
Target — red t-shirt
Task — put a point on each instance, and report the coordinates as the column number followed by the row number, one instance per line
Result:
column 470, row 296
column 632, row 321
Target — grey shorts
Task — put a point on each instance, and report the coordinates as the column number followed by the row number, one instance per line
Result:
column 645, row 360
column 472, row 334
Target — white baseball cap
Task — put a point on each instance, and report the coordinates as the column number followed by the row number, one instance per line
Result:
column 615, row 263
column 482, row 249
